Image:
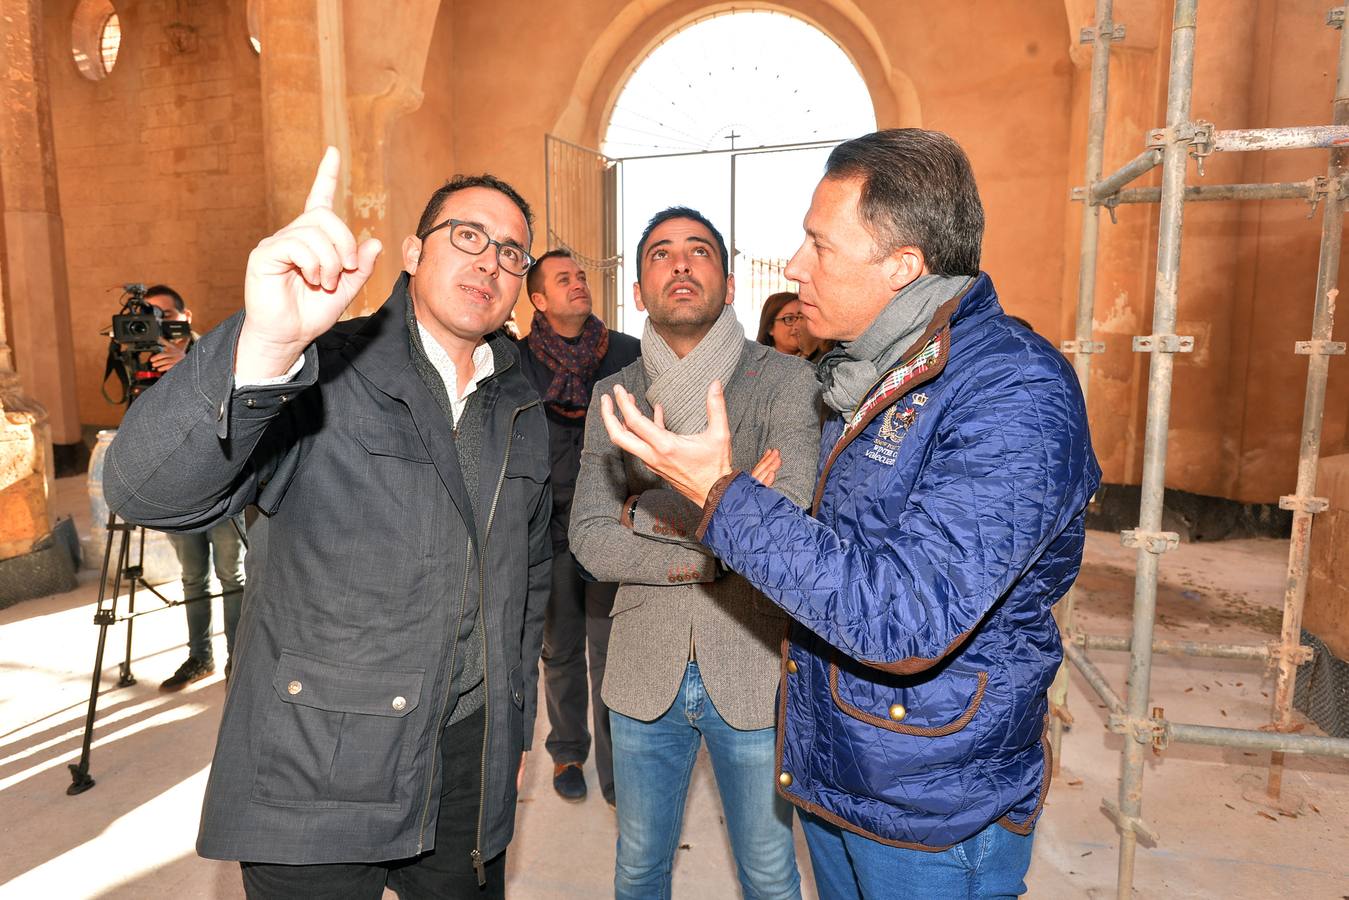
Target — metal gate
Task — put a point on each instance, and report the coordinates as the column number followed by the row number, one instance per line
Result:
column 597, row 205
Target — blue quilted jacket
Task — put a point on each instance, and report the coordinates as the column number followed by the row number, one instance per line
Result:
column 947, row 520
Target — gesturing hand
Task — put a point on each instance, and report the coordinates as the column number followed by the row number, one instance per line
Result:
column 689, row 463
column 300, row 280
column 765, row 471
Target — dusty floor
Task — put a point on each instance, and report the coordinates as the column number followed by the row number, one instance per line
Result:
column 131, row 836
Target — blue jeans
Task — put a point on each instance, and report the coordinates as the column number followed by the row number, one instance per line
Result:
column 195, row 552
column 652, row 765
column 991, row 864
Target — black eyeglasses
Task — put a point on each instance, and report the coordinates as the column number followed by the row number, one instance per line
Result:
column 474, row 241
column 790, row 319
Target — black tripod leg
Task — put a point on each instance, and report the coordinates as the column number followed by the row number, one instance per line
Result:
column 103, row 617
column 134, row 577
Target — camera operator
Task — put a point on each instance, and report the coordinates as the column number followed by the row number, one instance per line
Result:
column 221, row 544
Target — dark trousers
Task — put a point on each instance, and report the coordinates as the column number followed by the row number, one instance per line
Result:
column 576, row 626
column 222, row 545
column 447, row 871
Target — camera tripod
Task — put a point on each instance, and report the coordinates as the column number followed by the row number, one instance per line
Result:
column 105, row 616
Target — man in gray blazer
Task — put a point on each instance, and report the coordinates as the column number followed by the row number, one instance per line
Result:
column 694, row 650
column 384, row 689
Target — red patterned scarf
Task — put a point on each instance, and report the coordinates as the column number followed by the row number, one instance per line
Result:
column 573, row 363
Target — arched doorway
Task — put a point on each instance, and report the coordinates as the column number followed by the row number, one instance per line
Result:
column 732, row 114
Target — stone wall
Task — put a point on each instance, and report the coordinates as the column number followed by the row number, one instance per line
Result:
column 1248, row 270
column 161, row 169
column 164, row 168
column 1327, row 608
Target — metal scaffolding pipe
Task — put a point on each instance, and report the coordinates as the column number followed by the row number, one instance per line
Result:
column 1303, row 502
column 1141, row 164
column 1287, row 190
column 1151, row 541
column 1211, row 650
column 1244, row 739
column 1094, row 678
column 1307, row 137
column 1086, row 308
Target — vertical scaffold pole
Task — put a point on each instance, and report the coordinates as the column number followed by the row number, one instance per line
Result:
column 1082, row 346
column 1319, row 350
column 1149, row 538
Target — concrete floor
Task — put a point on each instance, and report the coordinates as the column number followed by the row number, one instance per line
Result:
column 132, row 835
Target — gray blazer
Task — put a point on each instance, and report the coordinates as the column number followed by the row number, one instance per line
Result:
column 671, row 587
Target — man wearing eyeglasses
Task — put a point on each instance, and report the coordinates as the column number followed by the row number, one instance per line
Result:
column 385, row 686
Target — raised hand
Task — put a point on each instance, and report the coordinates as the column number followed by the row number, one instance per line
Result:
column 689, row 463
column 300, row 280
column 765, row 471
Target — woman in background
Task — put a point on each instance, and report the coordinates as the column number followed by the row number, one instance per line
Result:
column 782, row 328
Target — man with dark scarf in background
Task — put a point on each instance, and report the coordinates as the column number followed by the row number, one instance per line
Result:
column 568, row 349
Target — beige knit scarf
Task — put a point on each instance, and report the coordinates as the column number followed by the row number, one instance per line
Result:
column 680, row 385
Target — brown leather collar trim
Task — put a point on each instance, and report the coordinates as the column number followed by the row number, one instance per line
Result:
column 851, row 433
column 938, row 731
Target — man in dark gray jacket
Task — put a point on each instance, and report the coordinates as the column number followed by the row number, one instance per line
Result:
column 385, row 685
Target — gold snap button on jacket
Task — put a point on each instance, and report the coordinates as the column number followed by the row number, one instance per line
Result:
column 785, row 779
column 294, row 687
column 400, row 703
column 791, row 667
column 898, row 712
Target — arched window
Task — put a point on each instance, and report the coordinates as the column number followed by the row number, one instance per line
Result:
column 734, row 115
column 95, row 38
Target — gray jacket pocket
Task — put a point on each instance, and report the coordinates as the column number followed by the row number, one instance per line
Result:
column 335, row 734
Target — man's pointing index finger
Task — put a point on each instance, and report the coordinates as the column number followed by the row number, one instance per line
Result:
column 325, row 181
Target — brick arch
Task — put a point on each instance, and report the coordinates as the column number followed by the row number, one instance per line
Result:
column 637, row 30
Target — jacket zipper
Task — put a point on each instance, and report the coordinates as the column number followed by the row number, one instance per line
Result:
column 445, row 703
column 479, row 865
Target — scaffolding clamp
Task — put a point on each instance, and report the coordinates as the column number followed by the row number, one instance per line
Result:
column 1156, row 542
column 1088, row 35
column 1198, row 134
column 1082, row 346
column 1125, row 823
column 1319, row 348
column 1163, row 343
column 1309, row 505
column 1318, row 189
column 1152, row 731
column 1298, row 654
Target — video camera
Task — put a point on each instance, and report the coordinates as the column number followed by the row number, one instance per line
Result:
column 138, row 332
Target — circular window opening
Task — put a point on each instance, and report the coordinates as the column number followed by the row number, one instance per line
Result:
column 95, row 38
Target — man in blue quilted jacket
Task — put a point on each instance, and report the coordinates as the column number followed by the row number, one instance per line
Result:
column 947, row 520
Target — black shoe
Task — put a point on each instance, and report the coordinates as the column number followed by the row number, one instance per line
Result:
column 190, row 671
column 568, row 781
